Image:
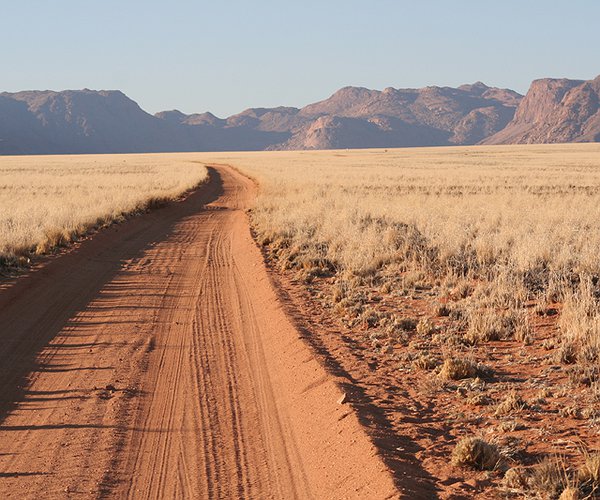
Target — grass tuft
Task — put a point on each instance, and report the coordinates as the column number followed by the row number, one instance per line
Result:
column 461, row 368
column 476, row 453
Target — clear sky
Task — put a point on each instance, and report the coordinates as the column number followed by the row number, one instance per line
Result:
column 225, row 56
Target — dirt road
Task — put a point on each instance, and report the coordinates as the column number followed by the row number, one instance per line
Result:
column 155, row 361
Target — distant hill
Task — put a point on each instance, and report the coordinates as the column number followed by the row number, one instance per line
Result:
column 555, row 110
column 432, row 116
column 88, row 121
column 82, row 121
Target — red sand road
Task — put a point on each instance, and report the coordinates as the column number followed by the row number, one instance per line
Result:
column 155, row 361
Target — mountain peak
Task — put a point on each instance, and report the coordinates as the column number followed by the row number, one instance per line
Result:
column 477, row 87
column 555, row 110
column 102, row 121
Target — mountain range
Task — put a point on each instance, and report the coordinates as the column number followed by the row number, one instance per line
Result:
column 88, row 121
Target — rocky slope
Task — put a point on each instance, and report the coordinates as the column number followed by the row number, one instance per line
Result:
column 82, row 121
column 555, row 110
column 432, row 116
column 356, row 117
column 87, row 121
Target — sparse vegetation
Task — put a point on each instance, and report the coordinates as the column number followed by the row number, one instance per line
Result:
column 496, row 229
column 426, row 362
column 553, row 478
column 589, row 473
column 450, row 267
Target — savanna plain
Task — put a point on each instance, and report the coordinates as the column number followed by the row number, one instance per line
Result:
column 50, row 201
column 461, row 288
column 454, row 293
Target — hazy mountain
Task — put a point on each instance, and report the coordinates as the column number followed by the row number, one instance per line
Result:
column 432, row 116
column 86, row 121
column 555, row 110
column 180, row 118
column 82, row 121
column 20, row 132
column 356, row 117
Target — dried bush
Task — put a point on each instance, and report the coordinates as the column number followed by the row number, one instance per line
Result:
column 426, row 362
column 476, row 453
column 512, row 403
column 460, row 368
column 549, row 478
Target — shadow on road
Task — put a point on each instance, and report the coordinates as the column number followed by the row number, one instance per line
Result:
column 38, row 305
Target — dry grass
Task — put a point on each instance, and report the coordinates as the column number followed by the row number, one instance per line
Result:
column 512, row 403
column 495, row 226
column 49, row 201
column 476, row 453
column 458, row 259
column 570, row 493
column 459, row 368
column 453, row 208
column 495, row 238
column 552, row 478
column 589, row 473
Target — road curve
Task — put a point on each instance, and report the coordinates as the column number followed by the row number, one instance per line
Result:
column 155, row 361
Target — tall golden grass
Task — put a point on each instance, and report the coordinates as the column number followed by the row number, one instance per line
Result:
column 479, row 211
column 428, row 255
column 504, row 224
column 49, row 201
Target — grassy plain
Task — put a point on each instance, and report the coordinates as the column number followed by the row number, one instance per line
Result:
column 465, row 283
column 513, row 223
column 456, row 266
column 47, row 201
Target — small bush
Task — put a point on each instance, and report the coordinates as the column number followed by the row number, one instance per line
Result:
column 588, row 354
column 479, row 400
column 586, row 375
column 483, row 327
column 516, row 478
column 53, row 239
column 549, row 478
column 370, row 317
column 426, row 362
column 523, row 331
column 459, row 368
column 510, row 426
column 407, row 324
column 571, row 411
column 425, row 327
column 512, row 403
column 567, row 353
column 476, row 453
column 442, row 309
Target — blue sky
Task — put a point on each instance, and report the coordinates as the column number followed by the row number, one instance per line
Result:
column 225, row 56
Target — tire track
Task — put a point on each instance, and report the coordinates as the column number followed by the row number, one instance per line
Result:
column 164, row 367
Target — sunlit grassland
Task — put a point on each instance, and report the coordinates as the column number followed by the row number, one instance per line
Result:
column 502, row 225
column 47, row 201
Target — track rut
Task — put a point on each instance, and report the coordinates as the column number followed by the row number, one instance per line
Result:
column 155, row 361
